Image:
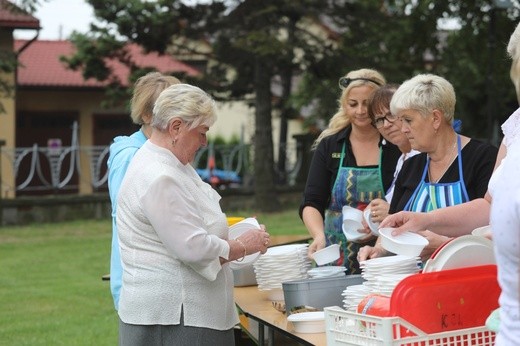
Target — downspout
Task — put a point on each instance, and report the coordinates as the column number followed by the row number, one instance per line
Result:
column 20, row 51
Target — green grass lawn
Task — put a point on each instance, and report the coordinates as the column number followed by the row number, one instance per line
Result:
column 51, row 292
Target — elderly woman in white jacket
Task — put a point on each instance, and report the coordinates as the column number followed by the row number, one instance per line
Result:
column 177, row 286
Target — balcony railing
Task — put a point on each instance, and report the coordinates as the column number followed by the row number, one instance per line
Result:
column 46, row 170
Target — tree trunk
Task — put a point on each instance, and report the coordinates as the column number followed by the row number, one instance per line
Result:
column 286, row 75
column 265, row 192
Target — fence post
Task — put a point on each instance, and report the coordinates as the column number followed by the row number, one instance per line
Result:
column 2, row 143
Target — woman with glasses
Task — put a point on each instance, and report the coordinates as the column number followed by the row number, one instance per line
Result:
column 350, row 166
column 451, row 169
column 390, row 128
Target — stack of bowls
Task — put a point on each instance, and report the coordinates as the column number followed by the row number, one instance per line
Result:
column 280, row 264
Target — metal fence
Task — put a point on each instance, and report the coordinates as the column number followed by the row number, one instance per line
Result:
column 47, row 170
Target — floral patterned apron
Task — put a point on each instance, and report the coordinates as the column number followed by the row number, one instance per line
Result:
column 355, row 187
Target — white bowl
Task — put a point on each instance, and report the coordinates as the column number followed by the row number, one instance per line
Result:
column 326, row 255
column 308, row 322
column 484, row 231
column 328, row 271
column 275, row 294
column 372, row 225
column 352, row 221
column 406, row 244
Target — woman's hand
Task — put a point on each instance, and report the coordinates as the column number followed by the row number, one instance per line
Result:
column 318, row 243
column 368, row 252
column 434, row 242
column 255, row 240
column 407, row 221
column 378, row 209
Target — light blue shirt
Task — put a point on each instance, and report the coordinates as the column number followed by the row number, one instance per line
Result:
column 121, row 153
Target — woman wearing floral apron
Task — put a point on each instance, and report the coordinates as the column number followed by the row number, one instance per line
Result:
column 350, row 166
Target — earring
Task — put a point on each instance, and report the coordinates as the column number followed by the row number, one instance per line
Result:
column 173, row 142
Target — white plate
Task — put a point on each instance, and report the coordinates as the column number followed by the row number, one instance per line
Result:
column 407, row 243
column 461, row 252
column 327, row 271
column 308, row 322
column 482, row 231
column 372, row 225
column 387, row 260
column 236, row 231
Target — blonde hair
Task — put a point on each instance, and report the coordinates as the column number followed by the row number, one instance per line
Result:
column 424, row 93
column 513, row 49
column 146, row 90
column 351, row 80
column 186, row 102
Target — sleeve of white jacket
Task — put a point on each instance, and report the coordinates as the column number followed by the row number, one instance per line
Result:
column 173, row 214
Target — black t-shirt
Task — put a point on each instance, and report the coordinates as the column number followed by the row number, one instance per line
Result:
column 478, row 162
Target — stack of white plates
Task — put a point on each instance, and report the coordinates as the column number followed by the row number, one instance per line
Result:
column 327, row 272
column 382, row 275
column 353, row 295
column 235, row 231
column 280, row 264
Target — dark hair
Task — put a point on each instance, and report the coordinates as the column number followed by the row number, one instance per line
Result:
column 381, row 99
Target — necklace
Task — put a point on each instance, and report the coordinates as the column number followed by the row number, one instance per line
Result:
column 450, row 161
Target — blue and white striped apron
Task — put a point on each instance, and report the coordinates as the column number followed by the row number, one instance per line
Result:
column 430, row 196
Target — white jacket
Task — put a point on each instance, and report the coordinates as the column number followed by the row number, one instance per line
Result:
column 172, row 232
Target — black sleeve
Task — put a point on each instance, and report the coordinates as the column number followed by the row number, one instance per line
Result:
column 407, row 181
column 478, row 161
column 391, row 154
column 320, row 179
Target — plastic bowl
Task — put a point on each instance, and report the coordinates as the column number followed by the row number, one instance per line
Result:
column 372, row 225
column 484, row 231
column 326, row 255
column 308, row 322
column 406, row 244
column 352, row 221
column 235, row 231
column 231, row 220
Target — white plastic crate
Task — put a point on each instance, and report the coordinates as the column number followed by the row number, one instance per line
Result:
column 349, row 328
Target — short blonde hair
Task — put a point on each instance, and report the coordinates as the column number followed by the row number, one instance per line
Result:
column 186, row 102
column 351, row 80
column 424, row 93
column 146, row 90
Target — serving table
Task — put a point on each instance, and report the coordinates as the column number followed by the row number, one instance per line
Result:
column 254, row 304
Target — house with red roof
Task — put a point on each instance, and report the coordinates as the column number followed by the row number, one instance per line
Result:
column 47, row 98
column 50, row 98
column 42, row 99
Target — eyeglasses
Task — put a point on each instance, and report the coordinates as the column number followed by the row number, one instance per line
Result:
column 379, row 121
column 345, row 82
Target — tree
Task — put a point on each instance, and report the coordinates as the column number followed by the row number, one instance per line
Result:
column 247, row 40
column 402, row 38
column 253, row 42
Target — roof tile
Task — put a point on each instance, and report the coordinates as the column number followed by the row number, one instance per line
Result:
column 11, row 16
column 40, row 65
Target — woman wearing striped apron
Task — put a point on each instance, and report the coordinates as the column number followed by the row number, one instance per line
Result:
column 451, row 169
